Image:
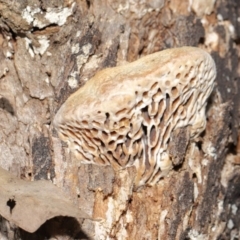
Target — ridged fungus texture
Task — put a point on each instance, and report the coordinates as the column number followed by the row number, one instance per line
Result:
column 125, row 115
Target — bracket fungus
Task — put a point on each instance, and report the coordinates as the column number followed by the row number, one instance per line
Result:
column 126, row 115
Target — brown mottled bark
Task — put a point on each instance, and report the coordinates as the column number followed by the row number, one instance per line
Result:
column 48, row 49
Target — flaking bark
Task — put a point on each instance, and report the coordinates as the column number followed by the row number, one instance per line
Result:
column 46, row 56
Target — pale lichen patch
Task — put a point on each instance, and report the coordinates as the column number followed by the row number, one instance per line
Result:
column 72, row 82
column 86, row 48
column 28, row 14
column 9, row 54
column 230, row 224
column 78, row 34
column 195, row 235
column 93, row 63
column 44, row 44
column 234, row 209
column 40, row 19
column 75, row 48
column 41, row 49
column 83, row 58
column 59, row 16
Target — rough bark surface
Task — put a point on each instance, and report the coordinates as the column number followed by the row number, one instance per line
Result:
column 48, row 49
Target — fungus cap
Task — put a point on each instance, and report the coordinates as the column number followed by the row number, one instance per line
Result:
column 125, row 115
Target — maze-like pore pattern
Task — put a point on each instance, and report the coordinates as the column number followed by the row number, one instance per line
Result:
column 125, row 116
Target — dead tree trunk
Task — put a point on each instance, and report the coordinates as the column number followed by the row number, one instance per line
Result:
column 49, row 49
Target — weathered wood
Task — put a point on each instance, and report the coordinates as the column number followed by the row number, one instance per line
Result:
column 49, row 49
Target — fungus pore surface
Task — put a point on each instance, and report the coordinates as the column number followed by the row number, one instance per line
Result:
column 126, row 115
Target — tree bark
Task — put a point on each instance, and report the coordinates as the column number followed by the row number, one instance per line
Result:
column 49, row 49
